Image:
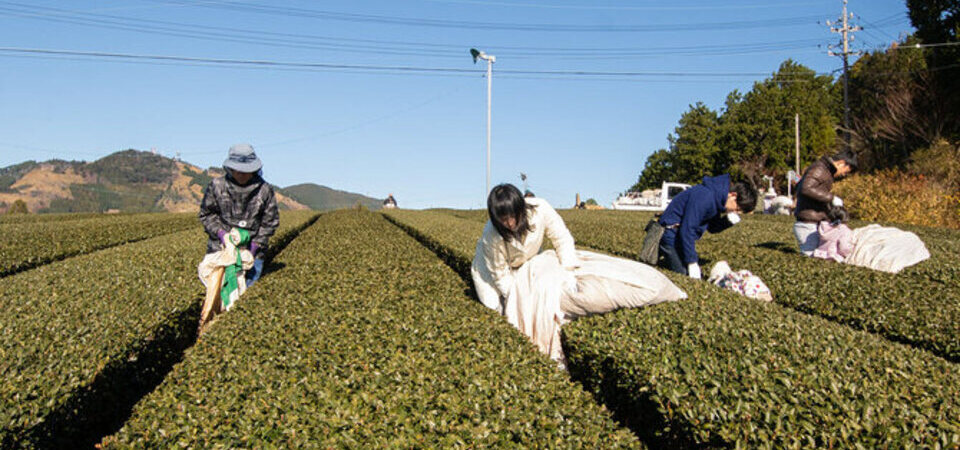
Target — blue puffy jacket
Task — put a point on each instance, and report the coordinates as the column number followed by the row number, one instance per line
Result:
column 696, row 210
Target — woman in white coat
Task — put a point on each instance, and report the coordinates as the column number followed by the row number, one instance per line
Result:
column 538, row 291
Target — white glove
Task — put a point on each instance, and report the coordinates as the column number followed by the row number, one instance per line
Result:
column 734, row 218
column 836, row 201
column 246, row 258
column 234, row 236
column 693, row 269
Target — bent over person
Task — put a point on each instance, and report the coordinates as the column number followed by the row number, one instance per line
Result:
column 814, row 197
column 240, row 206
column 538, row 291
column 710, row 206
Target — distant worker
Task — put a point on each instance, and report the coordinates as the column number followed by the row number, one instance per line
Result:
column 710, row 206
column 390, row 202
column 240, row 203
column 814, row 198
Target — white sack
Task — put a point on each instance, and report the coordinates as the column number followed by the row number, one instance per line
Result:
column 886, row 248
column 545, row 295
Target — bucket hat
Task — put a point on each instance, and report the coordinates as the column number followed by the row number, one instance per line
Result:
column 242, row 159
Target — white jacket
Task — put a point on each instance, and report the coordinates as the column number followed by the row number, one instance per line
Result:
column 495, row 260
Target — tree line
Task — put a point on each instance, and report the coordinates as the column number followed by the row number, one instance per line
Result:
column 904, row 106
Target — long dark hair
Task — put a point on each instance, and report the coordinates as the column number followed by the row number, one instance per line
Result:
column 505, row 200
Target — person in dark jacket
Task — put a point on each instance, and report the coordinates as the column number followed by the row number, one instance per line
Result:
column 240, row 199
column 814, row 198
column 710, row 206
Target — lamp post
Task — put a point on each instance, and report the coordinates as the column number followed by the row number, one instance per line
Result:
column 490, row 59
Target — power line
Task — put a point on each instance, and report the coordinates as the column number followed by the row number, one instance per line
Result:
column 396, row 70
column 369, row 68
column 893, row 19
column 191, row 31
column 369, row 46
column 919, row 46
column 477, row 25
column 620, row 8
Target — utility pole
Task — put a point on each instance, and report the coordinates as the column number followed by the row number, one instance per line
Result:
column 846, row 31
column 796, row 138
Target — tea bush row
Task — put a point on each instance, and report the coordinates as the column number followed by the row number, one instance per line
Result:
column 919, row 306
column 469, row 214
column 28, row 245
column 718, row 369
column 68, row 325
column 365, row 339
column 53, row 217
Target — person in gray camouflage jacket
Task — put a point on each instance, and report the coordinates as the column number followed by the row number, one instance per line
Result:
column 240, row 199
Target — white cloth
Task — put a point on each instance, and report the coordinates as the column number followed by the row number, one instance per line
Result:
column 495, row 260
column 225, row 257
column 539, row 292
column 808, row 238
column 544, row 295
column 742, row 282
column 886, row 249
column 693, row 270
column 781, row 205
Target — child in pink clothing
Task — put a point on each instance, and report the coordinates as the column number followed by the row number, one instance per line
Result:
column 836, row 238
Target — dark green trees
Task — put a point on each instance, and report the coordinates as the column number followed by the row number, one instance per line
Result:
column 754, row 134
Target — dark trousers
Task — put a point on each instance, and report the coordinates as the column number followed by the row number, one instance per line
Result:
column 669, row 257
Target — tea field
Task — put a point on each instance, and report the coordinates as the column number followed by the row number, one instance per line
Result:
column 364, row 332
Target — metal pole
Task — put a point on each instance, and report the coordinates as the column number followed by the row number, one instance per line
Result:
column 489, row 100
column 846, row 79
column 797, row 139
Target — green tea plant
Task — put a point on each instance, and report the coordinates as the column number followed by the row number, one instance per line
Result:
column 469, row 214
column 27, row 245
column 62, row 217
column 79, row 335
column 718, row 369
column 365, row 339
column 919, row 306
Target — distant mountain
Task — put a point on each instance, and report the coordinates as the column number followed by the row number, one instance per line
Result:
column 323, row 198
column 127, row 181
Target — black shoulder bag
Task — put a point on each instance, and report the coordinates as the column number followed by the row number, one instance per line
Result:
column 650, row 251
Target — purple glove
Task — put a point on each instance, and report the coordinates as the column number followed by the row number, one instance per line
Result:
column 253, row 248
column 221, row 234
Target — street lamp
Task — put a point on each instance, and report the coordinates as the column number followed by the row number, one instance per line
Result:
column 490, row 59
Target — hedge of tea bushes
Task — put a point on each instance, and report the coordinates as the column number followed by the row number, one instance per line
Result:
column 27, row 245
column 919, row 306
column 365, row 339
column 718, row 369
column 469, row 214
column 442, row 233
column 53, row 217
column 80, row 336
column 775, row 233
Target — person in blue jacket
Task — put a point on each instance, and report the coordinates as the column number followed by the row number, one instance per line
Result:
column 710, row 206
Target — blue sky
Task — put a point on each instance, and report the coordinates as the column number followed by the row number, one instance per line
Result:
column 417, row 134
